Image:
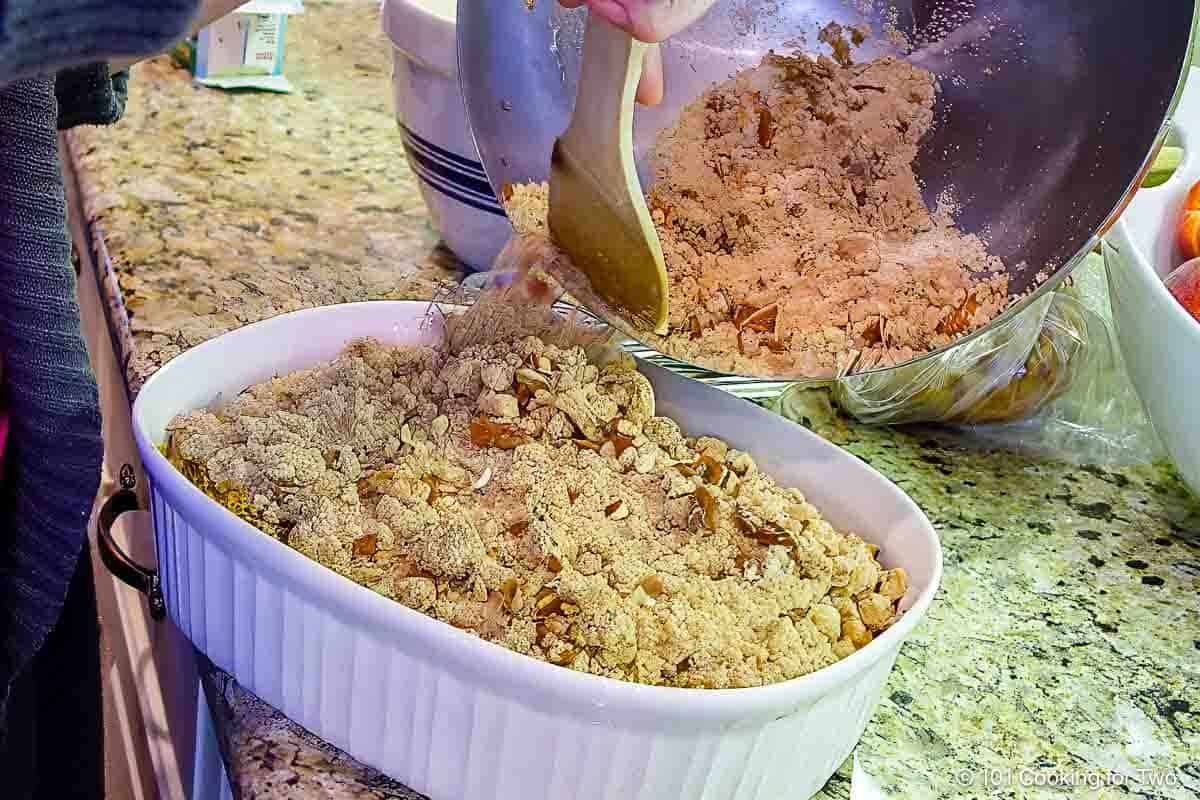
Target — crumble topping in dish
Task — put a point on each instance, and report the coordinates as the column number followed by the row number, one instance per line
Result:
column 527, row 492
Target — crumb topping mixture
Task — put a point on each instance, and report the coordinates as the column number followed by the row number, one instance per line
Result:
column 530, row 495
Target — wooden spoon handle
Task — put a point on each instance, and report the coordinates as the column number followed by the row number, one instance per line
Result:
column 604, row 101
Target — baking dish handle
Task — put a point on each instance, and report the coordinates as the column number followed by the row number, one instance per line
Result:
column 144, row 579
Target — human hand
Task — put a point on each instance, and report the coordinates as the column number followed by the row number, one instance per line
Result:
column 651, row 21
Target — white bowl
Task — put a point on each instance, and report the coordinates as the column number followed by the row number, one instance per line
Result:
column 435, row 132
column 458, row 718
column 1159, row 338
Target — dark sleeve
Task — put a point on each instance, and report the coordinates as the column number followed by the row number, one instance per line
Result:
column 52, row 462
column 90, row 95
column 44, row 36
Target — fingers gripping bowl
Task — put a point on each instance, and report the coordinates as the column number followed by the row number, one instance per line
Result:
column 453, row 716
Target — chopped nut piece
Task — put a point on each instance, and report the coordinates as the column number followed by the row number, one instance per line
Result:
column 707, row 504
column 761, row 320
column 508, row 592
column 499, row 405
column 712, row 471
column 620, row 444
column 653, row 586
column 485, row 433
column 843, row 648
column 366, row 545
column 533, row 379
column 617, row 511
column 741, row 463
column 828, row 621
column 483, row 480
column 876, row 611
column 564, row 658
column 893, row 584
column 857, row 632
column 546, row 604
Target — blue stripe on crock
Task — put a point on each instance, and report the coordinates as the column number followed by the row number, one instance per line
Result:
column 447, row 165
column 481, row 190
column 447, row 186
column 466, row 165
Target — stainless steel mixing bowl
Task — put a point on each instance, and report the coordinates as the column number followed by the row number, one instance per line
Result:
column 1049, row 113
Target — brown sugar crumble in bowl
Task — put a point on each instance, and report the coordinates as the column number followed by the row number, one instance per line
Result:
column 796, row 239
column 528, row 493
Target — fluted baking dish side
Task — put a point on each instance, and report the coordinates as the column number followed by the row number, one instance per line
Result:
column 455, row 717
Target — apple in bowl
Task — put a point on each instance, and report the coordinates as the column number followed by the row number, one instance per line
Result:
column 1184, row 283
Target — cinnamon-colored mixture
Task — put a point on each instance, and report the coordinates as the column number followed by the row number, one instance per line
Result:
column 528, row 493
column 795, row 236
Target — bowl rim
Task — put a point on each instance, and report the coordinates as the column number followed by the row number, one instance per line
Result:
column 1136, row 239
column 422, row 34
column 508, row 672
column 1017, row 304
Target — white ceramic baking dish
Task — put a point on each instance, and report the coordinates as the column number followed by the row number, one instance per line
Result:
column 1159, row 338
column 455, row 717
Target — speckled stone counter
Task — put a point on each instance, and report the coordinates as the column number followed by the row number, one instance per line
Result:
column 220, row 209
column 1063, row 649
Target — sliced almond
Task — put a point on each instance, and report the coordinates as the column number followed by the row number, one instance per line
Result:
column 617, row 511
column 483, row 480
column 564, row 659
column 960, row 318
column 686, row 470
column 641, row 597
column 653, row 586
column 435, row 488
column 708, row 506
column 508, row 592
column 762, row 320
column 711, row 469
column 893, row 584
column 876, row 611
column 546, row 604
column 502, row 436
column 533, row 379
column 366, row 545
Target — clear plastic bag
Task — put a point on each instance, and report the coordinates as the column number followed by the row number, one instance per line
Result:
column 1050, row 382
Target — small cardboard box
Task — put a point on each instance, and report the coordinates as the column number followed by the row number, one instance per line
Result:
column 243, row 50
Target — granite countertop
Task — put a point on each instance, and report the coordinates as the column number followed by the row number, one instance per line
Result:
column 1066, row 638
column 220, row 209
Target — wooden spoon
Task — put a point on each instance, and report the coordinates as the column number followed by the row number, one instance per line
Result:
column 598, row 214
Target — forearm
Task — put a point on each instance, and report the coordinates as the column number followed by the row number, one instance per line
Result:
column 210, row 11
column 40, row 37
